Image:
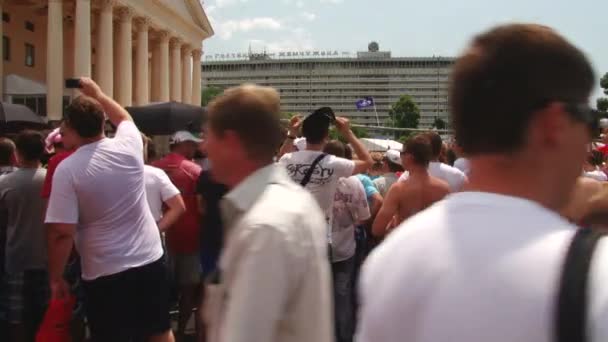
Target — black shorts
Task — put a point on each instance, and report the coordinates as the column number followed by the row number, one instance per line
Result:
column 133, row 304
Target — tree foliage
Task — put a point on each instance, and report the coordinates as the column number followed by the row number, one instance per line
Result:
column 602, row 104
column 405, row 113
column 439, row 123
column 604, row 83
column 209, row 94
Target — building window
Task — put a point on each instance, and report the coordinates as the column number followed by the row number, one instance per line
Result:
column 6, row 17
column 29, row 55
column 29, row 26
column 6, row 48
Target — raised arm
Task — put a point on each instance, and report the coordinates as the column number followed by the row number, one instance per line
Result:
column 364, row 161
column 115, row 112
column 292, row 133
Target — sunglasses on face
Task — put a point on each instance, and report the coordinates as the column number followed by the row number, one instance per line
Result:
column 584, row 114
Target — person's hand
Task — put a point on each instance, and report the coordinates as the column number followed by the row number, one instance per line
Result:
column 294, row 124
column 343, row 125
column 90, row 88
column 60, row 289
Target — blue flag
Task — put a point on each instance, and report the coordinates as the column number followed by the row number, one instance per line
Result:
column 365, row 103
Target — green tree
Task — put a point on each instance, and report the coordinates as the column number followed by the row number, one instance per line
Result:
column 209, row 94
column 604, row 83
column 439, row 123
column 405, row 113
column 602, row 104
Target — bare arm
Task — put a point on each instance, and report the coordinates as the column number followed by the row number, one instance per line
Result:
column 176, row 209
column 365, row 160
column 389, row 208
column 115, row 112
column 294, row 126
column 60, row 237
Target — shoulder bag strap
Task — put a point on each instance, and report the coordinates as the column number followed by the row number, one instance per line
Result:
column 311, row 169
column 572, row 308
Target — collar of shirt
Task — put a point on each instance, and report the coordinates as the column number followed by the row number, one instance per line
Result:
column 243, row 196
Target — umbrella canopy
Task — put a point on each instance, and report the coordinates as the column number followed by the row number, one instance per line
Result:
column 166, row 118
column 381, row 145
column 14, row 117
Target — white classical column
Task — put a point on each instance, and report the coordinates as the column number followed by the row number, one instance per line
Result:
column 54, row 58
column 186, row 74
column 155, row 74
column 82, row 38
column 196, row 76
column 125, row 61
column 141, row 72
column 176, row 70
column 104, row 52
column 163, row 78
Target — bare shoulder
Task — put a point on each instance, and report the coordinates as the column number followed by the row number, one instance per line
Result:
column 440, row 184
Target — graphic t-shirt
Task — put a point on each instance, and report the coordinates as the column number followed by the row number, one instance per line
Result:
column 350, row 208
column 324, row 179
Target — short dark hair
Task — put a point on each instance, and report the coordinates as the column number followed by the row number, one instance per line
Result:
column 85, row 115
column 315, row 134
column 596, row 158
column 336, row 148
column 30, row 145
column 419, row 146
column 253, row 112
column 436, row 143
column 508, row 74
column 392, row 167
column 348, row 152
column 7, row 149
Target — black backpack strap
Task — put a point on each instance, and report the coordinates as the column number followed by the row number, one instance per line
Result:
column 311, row 169
column 571, row 315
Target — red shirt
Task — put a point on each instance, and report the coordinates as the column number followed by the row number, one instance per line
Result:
column 50, row 171
column 183, row 237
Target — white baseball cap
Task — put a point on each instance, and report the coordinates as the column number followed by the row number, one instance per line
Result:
column 183, row 136
column 393, row 156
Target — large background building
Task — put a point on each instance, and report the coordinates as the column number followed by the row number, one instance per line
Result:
column 308, row 80
column 137, row 50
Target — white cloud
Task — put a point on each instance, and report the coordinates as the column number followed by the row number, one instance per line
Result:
column 227, row 28
column 331, row 1
column 299, row 4
column 225, row 3
column 309, row 16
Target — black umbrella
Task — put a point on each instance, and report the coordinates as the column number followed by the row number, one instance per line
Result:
column 166, row 118
column 14, row 117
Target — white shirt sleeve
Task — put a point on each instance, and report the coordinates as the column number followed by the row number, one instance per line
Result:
column 167, row 188
column 63, row 203
column 343, row 167
column 256, row 301
column 128, row 134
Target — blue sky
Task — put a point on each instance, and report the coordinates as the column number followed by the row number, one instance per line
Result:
column 407, row 28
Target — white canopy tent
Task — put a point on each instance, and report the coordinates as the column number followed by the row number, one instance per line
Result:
column 381, row 145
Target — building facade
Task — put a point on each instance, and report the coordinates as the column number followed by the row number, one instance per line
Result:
column 337, row 81
column 139, row 51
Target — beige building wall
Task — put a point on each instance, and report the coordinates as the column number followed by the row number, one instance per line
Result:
column 182, row 21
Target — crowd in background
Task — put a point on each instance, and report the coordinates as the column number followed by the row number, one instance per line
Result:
column 281, row 234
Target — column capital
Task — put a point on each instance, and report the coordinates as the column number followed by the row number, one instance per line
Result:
column 164, row 36
column 176, row 43
column 186, row 49
column 142, row 23
column 105, row 5
column 125, row 13
column 197, row 54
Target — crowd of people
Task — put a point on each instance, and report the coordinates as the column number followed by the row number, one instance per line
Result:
column 282, row 234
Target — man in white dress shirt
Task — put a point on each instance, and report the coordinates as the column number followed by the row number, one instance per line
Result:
column 274, row 280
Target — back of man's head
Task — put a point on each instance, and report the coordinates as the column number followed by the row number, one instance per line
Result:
column 315, row 130
column 419, row 147
column 85, row 116
column 336, row 148
column 7, row 150
column 30, row 145
column 436, row 143
column 253, row 113
column 506, row 76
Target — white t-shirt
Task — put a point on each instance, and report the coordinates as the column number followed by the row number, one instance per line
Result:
column 598, row 175
column 100, row 187
column 475, row 267
column 324, row 179
column 463, row 165
column 350, row 208
column 454, row 177
column 159, row 188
